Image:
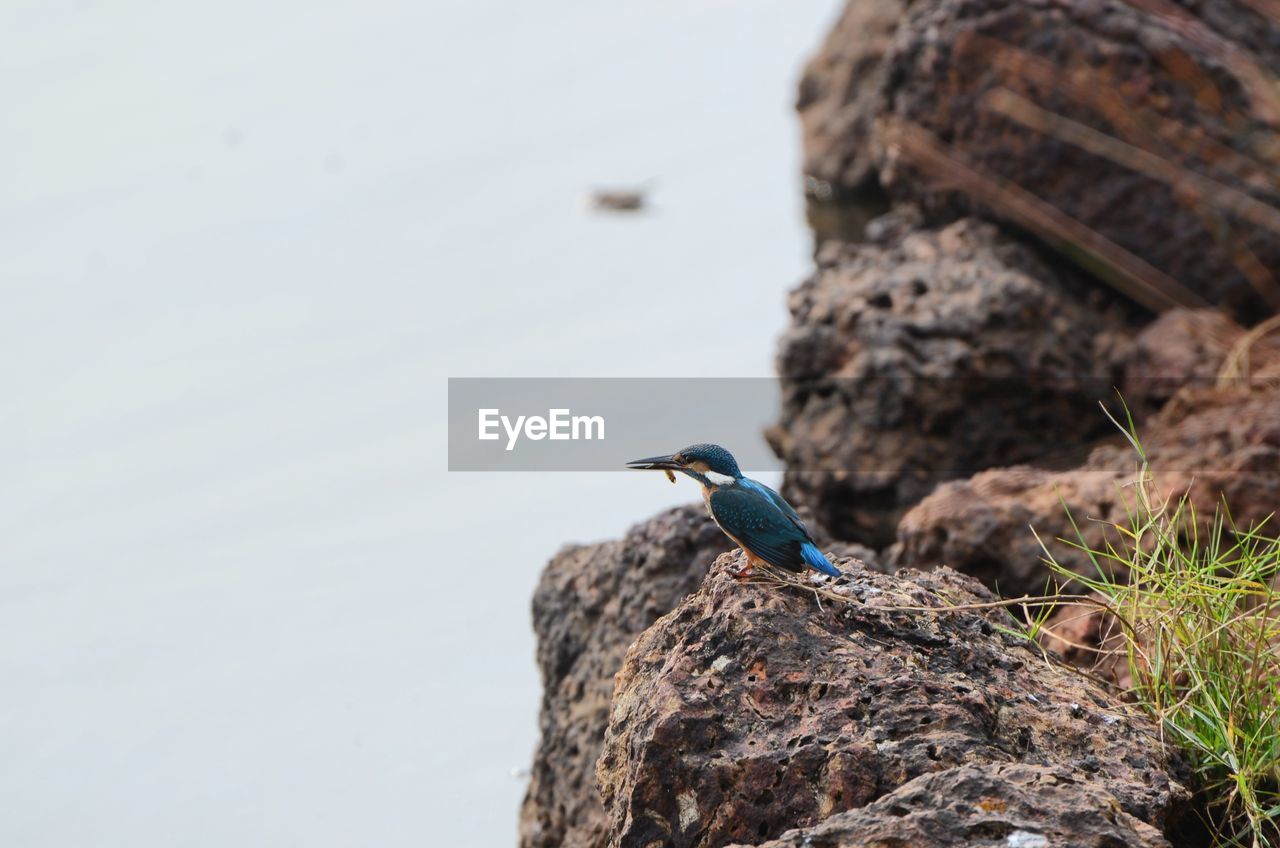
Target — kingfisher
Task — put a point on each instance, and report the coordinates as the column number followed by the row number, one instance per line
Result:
column 756, row 517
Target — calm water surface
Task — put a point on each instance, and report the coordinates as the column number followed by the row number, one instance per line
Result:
column 243, row 246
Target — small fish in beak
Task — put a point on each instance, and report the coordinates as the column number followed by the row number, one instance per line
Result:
column 668, row 465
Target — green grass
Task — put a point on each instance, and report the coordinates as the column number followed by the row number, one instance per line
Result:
column 1194, row 603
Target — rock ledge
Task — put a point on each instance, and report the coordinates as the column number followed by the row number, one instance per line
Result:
column 752, row 709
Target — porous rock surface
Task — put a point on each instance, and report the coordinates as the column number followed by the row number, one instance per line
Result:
column 1191, row 84
column 591, row 602
column 753, row 709
column 985, row 806
column 930, row 356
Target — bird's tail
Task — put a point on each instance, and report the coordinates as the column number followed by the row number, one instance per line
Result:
column 815, row 559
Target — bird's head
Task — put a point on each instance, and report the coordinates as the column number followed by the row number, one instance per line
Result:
column 705, row 463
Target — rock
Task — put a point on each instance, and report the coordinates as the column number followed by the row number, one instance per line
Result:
column 754, row 708
column 1076, row 632
column 1221, row 444
column 839, row 96
column 985, row 806
column 1211, row 444
column 1191, row 84
column 590, row 604
column 930, row 357
column 1181, row 347
column 983, row 526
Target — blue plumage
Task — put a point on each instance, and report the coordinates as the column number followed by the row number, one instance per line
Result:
column 756, row 517
column 815, row 559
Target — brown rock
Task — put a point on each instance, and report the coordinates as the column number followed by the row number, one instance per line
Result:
column 839, row 94
column 1191, row 83
column 752, row 709
column 1086, row 636
column 985, row 806
column 1182, row 347
column 1208, row 443
column 983, row 526
column 590, row 604
column 929, row 358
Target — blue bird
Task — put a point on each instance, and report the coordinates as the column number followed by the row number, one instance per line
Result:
column 756, row 517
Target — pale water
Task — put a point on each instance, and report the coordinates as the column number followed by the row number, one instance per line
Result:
column 242, row 246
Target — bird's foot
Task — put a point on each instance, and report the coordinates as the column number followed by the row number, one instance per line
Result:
column 742, row 572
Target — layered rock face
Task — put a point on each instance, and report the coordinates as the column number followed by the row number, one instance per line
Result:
column 1053, row 97
column 929, row 356
column 753, row 709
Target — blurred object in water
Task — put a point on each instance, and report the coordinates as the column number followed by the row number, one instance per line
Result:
column 632, row 199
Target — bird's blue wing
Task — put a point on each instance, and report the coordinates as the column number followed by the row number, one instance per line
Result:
column 759, row 524
column 778, row 500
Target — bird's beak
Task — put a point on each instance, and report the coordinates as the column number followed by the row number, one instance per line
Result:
column 656, row 463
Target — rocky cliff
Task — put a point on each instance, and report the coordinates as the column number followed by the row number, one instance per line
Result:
column 1083, row 199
